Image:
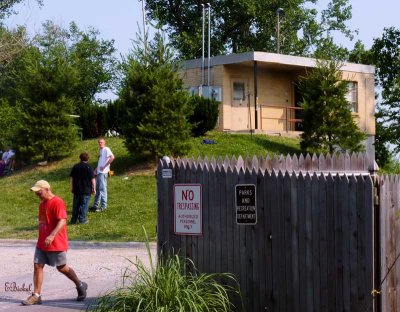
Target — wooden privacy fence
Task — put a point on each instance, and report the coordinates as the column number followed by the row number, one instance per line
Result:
column 389, row 229
column 311, row 248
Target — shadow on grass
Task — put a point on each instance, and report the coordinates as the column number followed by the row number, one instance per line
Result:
column 276, row 147
column 26, row 228
column 100, row 237
column 121, row 165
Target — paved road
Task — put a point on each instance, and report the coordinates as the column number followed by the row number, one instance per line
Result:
column 101, row 265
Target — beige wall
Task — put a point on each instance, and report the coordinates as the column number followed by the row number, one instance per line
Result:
column 275, row 88
column 192, row 78
column 366, row 100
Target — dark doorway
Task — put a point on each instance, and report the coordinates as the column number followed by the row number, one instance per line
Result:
column 298, row 113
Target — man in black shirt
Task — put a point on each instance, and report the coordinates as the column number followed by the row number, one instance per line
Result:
column 83, row 184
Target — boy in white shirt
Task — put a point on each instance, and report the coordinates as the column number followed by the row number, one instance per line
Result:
column 106, row 157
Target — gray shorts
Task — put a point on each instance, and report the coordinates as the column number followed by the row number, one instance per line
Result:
column 52, row 258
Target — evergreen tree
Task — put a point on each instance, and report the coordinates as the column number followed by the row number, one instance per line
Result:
column 88, row 121
column 41, row 87
column 115, row 113
column 62, row 70
column 156, row 105
column 47, row 129
column 9, row 123
column 327, row 124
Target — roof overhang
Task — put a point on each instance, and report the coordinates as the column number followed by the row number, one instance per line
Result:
column 273, row 60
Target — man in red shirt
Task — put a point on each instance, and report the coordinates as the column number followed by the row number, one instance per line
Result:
column 52, row 244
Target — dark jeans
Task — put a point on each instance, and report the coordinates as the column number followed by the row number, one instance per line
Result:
column 80, row 208
column 2, row 167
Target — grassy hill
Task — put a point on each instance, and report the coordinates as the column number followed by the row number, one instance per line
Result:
column 132, row 190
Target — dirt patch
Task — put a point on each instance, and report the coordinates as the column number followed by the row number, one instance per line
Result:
column 143, row 169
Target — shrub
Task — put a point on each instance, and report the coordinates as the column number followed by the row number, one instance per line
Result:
column 93, row 120
column 205, row 114
column 166, row 288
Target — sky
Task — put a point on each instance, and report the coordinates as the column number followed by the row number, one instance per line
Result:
column 119, row 19
column 116, row 19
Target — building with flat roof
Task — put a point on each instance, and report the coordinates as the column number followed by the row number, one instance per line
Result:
column 258, row 93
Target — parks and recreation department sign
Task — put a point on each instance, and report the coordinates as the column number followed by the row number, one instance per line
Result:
column 245, row 199
column 188, row 209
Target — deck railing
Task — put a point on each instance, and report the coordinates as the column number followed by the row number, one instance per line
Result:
column 287, row 115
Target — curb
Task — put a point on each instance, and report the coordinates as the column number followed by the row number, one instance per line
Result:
column 77, row 244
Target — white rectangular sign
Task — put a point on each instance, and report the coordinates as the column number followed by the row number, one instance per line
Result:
column 167, row 173
column 188, row 209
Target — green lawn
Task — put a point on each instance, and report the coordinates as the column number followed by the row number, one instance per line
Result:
column 132, row 190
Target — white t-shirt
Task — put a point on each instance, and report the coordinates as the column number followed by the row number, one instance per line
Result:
column 105, row 154
column 7, row 156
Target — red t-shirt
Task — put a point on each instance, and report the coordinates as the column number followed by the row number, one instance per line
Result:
column 50, row 212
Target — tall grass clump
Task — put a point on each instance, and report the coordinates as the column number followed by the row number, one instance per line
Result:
column 172, row 285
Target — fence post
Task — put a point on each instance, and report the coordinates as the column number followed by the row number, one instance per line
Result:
column 376, row 243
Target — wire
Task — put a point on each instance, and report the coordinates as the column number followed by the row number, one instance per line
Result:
column 378, row 291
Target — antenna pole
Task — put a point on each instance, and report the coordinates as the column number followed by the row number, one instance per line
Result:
column 209, row 45
column 144, row 28
column 279, row 11
column 202, row 49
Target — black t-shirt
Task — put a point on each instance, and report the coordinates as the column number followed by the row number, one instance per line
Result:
column 82, row 175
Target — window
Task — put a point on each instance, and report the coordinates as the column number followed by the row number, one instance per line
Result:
column 238, row 91
column 352, row 96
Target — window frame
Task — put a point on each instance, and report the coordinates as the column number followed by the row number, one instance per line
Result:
column 352, row 96
column 243, row 91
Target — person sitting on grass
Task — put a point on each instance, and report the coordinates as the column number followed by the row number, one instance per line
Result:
column 5, row 159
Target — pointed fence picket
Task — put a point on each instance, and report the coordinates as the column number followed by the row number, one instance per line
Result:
column 356, row 163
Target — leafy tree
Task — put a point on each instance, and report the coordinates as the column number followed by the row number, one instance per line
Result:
column 156, row 104
column 386, row 57
column 360, row 54
column 326, row 49
column 248, row 25
column 382, row 154
column 6, row 7
column 94, row 63
column 328, row 124
column 11, row 41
